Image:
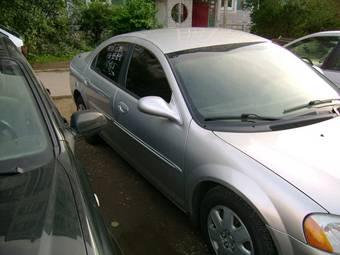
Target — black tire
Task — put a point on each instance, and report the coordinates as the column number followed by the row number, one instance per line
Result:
column 261, row 241
column 92, row 139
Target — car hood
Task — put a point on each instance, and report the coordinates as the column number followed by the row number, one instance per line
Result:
column 307, row 157
column 38, row 213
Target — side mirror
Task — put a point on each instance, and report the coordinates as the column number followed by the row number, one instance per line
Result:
column 307, row 60
column 87, row 122
column 158, row 107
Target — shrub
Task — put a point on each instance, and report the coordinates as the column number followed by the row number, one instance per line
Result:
column 134, row 15
column 43, row 24
column 293, row 18
column 95, row 19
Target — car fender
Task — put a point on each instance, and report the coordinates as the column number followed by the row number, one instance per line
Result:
column 267, row 193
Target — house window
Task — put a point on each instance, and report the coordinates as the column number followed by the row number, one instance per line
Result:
column 240, row 5
column 179, row 13
column 230, row 4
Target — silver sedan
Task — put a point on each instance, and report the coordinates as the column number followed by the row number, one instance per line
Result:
column 238, row 132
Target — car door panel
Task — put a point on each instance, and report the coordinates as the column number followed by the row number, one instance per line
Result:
column 103, row 77
column 100, row 93
column 153, row 145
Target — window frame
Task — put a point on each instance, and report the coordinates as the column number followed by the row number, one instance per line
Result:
column 133, row 45
column 232, row 8
column 121, row 81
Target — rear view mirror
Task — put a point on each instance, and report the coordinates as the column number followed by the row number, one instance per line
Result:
column 307, row 60
column 88, row 122
column 158, row 107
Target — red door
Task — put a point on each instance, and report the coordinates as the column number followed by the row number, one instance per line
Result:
column 200, row 14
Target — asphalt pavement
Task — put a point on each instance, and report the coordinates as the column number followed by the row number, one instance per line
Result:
column 143, row 221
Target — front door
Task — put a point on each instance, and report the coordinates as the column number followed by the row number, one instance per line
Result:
column 200, row 14
column 203, row 13
column 153, row 145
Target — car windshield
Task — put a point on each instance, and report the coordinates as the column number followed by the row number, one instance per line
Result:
column 24, row 142
column 255, row 78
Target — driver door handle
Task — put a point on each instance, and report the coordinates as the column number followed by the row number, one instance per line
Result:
column 122, row 107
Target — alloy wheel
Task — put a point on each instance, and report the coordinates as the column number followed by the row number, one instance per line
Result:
column 227, row 233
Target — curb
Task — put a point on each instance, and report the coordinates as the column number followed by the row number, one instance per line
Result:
column 66, row 69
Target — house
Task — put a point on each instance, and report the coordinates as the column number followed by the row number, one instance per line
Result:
column 203, row 13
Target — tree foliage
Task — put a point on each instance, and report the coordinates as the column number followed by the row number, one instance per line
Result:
column 42, row 23
column 134, row 15
column 96, row 18
column 293, row 18
column 100, row 20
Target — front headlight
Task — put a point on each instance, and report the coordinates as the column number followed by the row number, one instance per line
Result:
column 322, row 231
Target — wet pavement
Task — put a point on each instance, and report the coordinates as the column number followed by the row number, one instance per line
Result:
column 143, row 221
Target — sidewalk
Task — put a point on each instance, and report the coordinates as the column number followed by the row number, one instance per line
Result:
column 56, row 80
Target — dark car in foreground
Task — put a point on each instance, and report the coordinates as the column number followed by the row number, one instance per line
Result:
column 46, row 203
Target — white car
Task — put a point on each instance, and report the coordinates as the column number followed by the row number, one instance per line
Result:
column 321, row 50
column 14, row 37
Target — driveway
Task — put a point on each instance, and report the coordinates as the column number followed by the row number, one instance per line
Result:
column 141, row 218
column 57, row 81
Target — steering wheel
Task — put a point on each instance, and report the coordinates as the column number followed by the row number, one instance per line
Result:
column 5, row 126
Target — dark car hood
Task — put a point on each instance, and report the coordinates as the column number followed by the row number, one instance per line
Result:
column 307, row 157
column 38, row 214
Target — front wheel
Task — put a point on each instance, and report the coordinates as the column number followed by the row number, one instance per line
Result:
column 231, row 226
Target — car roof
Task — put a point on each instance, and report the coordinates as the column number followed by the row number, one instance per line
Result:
column 319, row 34
column 326, row 33
column 177, row 39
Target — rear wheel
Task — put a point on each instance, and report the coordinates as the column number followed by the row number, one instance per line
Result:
column 231, row 226
column 92, row 139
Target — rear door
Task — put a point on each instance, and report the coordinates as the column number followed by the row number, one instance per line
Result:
column 153, row 145
column 104, row 77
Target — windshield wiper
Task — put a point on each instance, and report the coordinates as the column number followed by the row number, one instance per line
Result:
column 310, row 104
column 242, row 117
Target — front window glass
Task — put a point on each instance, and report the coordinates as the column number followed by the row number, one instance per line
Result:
column 257, row 78
column 146, row 76
column 22, row 132
column 315, row 49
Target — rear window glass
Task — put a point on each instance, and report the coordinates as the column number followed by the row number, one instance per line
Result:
column 109, row 61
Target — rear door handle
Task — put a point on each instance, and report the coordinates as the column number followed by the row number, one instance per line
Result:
column 122, row 107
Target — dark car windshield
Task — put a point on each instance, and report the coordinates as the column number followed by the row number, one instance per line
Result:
column 258, row 78
column 24, row 141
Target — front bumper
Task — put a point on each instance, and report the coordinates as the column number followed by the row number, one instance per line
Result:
column 287, row 245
